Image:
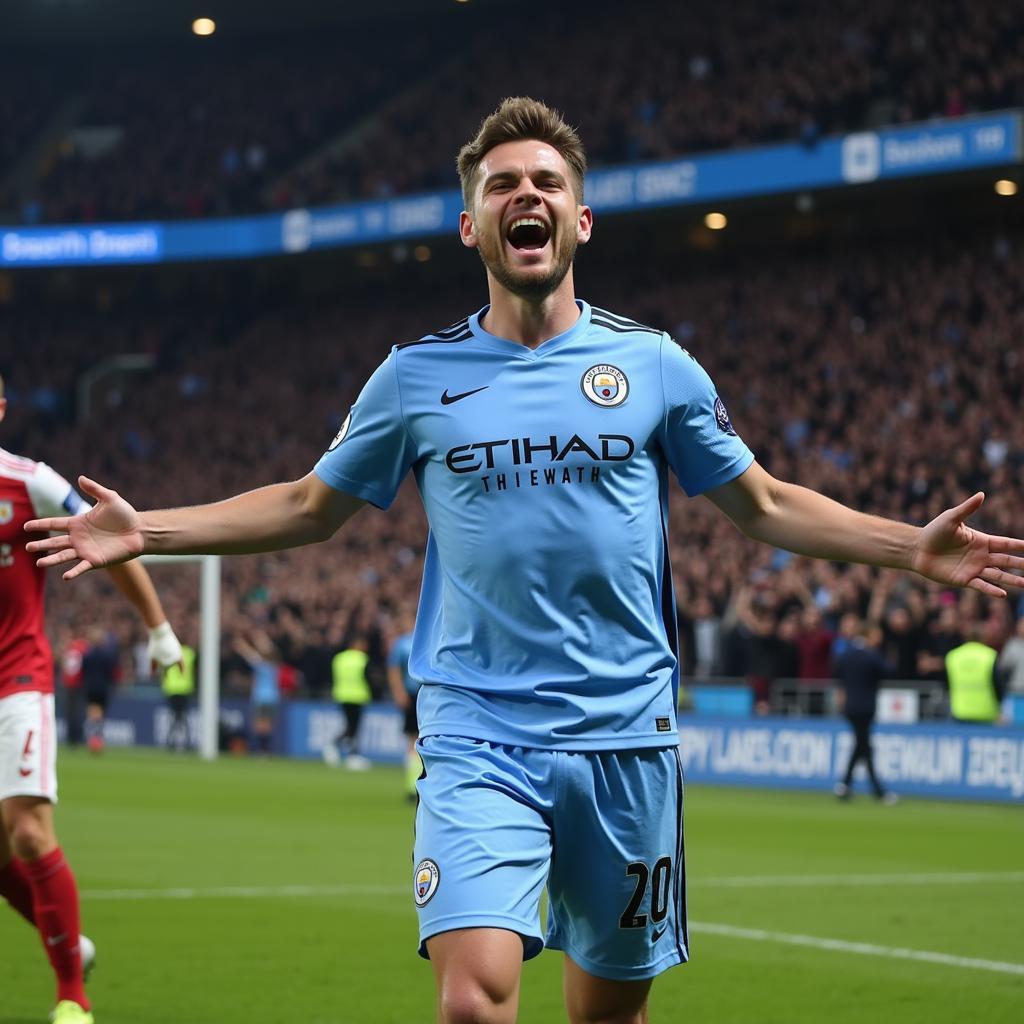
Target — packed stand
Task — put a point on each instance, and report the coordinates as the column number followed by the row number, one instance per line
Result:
column 202, row 133
column 29, row 94
column 889, row 381
column 678, row 79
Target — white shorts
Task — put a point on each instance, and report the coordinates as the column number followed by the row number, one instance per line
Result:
column 28, row 746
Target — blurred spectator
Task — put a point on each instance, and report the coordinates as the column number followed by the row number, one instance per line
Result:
column 974, row 692
column 1010, row 665
column 860, row 670
column 707, row 637
column 72, row 651
column 99, row 672
column 351, row 692
column 814, row 644
column 259, row 652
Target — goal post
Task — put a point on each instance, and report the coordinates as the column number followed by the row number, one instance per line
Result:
column 209, row 644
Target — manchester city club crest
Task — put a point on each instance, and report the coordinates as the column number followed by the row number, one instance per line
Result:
column 6, row 512
column 340, row 435
column 605, row 385
column 425, row 881
column 722, row 417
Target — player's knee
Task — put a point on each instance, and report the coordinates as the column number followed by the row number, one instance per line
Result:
column 31, row 834
column 466, row 1001
column 31, row 839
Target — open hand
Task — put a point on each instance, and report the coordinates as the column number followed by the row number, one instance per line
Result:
column 108, row 534
column 949, row 551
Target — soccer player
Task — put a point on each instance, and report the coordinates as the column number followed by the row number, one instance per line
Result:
column 403, row 691
column 35, row 878
column 541, row 430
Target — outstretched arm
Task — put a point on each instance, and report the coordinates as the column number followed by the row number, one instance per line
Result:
column 268, row 519
column 803, row 521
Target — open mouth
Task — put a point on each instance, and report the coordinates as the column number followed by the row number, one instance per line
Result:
column 528, row 234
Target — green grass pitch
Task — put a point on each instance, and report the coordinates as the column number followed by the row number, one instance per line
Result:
column 273, row 892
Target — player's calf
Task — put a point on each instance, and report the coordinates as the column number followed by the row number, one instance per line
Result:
column 593, row 1000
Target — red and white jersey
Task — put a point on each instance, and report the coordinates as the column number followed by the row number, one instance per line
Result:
column 28, row 490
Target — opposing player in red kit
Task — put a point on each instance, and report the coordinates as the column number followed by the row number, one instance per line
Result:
column 34, row 876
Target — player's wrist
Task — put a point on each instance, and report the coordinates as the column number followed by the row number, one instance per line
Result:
column 147, row 535
column 911, row 553
column 162, row 632
column 164, row 646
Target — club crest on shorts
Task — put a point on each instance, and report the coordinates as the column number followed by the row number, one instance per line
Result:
column 6, row 512
column 605, row 385
column 340, row 435
column 424, row 881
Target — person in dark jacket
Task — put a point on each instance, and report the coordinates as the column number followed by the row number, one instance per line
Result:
column 99, row 669
column 860, row 669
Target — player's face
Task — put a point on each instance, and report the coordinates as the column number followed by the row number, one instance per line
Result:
column 526, row 221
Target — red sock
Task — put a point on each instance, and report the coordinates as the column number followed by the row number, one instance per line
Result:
column 16, row 889
column 55, row 901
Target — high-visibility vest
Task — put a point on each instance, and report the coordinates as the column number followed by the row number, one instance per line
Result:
column 348, row 669
column 972, row 695
column 178, row 682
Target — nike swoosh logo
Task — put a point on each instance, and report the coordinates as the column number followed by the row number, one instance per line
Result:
column 24, row 772
column 657, row 935
column 447, row 399
column 56, row 939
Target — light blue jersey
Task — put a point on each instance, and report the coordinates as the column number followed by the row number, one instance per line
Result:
column 547, row 614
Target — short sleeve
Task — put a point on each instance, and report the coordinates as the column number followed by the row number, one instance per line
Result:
column 372, row 451
column 52, row 495
column 697, row 436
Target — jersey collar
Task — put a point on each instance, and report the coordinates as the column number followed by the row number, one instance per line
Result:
column 514, row 348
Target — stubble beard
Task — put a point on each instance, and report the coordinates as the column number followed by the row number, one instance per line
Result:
column 526, row 284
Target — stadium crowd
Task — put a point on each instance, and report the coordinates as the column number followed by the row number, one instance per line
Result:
column 282, row 125
column 888, row 380
column 712, row 76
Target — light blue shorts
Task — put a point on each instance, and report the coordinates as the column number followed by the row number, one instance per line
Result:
column 603, row 831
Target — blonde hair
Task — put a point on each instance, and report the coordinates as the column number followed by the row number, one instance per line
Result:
column 520, row 117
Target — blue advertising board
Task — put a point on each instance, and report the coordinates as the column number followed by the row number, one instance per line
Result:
column 143, row 721
column 308, row 726
column 935, row 147
column 955, row 762
column 945, row 761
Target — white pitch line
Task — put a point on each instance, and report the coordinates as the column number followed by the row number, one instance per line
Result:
column 919, row 878
column 723, row 882
column 861, row 948
column 729, row 931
